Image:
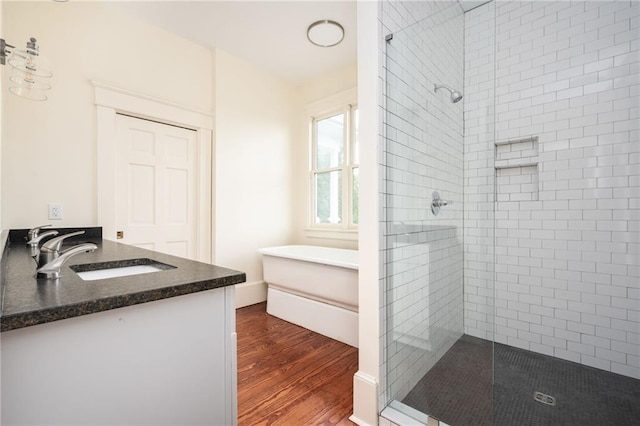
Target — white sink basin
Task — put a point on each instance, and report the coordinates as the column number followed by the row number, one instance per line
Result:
column 123, row 271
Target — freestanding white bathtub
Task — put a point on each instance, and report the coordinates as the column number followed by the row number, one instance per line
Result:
column 314, row 287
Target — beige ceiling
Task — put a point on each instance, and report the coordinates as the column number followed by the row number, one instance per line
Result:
column 270, row 34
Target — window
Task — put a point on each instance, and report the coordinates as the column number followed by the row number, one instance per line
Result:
column 334, row 169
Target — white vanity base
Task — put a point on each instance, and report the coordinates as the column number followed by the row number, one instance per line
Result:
column 171, row 362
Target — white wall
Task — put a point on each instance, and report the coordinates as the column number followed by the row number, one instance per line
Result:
column 567, row 226
column 254, row 144
column 330, row 84
column 367, row 379
column 49, row 148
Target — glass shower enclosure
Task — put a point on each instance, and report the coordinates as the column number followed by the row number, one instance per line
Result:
column 426, row 263
column 511, row 212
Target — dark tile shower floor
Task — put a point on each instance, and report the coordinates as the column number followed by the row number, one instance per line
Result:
column 458, row 390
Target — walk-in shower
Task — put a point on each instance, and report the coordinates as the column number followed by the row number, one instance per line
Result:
column 518, row 303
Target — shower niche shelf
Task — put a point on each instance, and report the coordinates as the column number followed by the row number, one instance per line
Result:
column 516, row 164
column 516, row 153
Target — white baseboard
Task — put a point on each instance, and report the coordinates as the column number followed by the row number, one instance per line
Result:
column 358, row 421
column 250, row 293
column 365, row 399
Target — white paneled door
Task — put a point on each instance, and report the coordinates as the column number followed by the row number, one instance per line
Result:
column 156, row 192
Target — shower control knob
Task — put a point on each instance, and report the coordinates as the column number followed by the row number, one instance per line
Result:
column 437, row 202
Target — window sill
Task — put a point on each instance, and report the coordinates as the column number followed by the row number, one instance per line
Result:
column 332, row 234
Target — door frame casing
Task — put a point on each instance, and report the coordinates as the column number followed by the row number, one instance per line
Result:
column 109, row 101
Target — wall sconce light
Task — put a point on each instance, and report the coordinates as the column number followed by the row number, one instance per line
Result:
column 29, row 76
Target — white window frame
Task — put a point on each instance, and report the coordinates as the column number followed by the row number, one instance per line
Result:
column 342, row 103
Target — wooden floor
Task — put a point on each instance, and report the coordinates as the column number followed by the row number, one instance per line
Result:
column 288, row 375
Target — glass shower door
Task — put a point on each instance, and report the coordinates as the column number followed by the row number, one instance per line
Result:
column 438, row 274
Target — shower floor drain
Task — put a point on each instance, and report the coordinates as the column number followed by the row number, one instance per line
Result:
column 544, row 398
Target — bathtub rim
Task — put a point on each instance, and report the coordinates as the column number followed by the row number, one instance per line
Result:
column 282, row 251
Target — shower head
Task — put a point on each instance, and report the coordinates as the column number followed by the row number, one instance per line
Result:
column 455, row 95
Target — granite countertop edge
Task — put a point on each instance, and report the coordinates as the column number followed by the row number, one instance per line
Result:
column 18, row 285
column 43, row 316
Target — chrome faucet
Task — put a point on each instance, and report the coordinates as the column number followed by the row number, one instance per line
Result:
column 34, row 236
column 33, row 232
column 51, row 249
column 51, row 270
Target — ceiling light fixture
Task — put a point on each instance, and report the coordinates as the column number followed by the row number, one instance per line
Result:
column 325, row 33
column 29, row 71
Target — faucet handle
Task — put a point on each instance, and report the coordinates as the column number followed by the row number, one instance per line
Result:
column 33, row 242
column 33, row 232
column 54, row 244
column 437, row 202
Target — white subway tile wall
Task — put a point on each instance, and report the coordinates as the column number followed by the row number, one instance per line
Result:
column 567, row 228
column 564, row 76
column 480, row 153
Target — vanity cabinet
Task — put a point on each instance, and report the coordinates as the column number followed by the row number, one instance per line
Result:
column 157, row 348
column 167, row 362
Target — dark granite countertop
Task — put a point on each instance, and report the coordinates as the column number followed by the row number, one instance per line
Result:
column 28, row 301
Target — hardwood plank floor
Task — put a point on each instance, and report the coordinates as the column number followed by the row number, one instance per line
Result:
column 288, row 375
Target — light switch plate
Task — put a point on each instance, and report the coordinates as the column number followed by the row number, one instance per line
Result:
column 55, row 211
